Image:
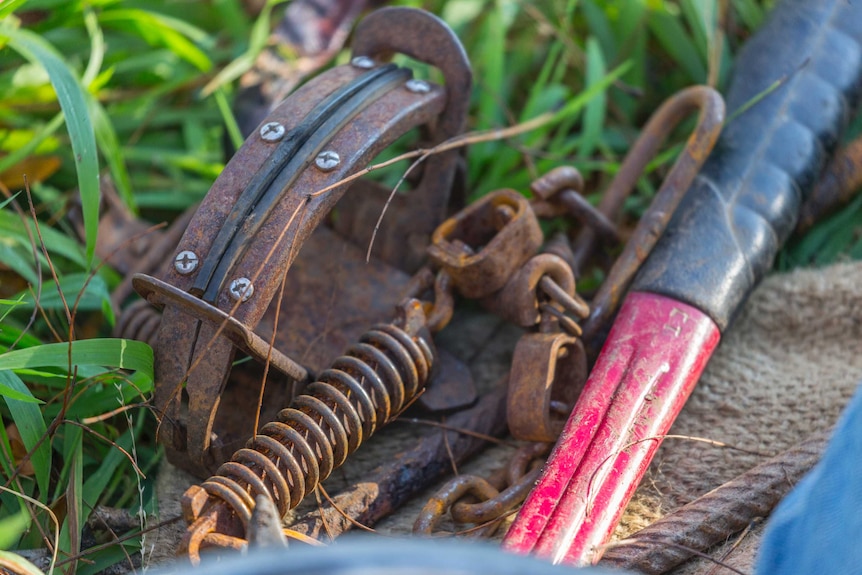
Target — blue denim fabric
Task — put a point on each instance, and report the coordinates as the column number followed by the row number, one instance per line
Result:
column 817, row 528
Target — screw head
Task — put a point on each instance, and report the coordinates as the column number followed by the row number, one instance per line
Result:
column 327, row 160
column 241, row 289
column 363, row 62
column 272, row 131
column 417, row 86
column 186, row 262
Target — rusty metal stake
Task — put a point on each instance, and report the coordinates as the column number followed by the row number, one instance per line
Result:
column 651, row 226
column 716, row 516
column 838, row 183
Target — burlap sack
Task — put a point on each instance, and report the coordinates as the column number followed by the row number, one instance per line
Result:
column 784, row 369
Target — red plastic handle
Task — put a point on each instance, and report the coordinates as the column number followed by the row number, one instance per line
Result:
column 649, row 365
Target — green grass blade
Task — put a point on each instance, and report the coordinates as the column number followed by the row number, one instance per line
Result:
column 594, row 114
column 734, row 114
column 70, row 532
column 39, row 137
column 750, row 12
column 10, row 6
column 8, row 466
column 111, row 150
column 12, row 527
column 19, row 261
column 95, row 296
column 97, row 48
column 700, row 15
column 58, row 243
column 12, row 393
column 111, row 352
column 676, row 42
column 106, row 137
column 160, row 30
column 31, row 426
column 96, row 483
column 490, row 72
column 22, row 566
column 628, row 20
column 229, row 118
column 99, row 561
column 577, row 103
column 240, row 65
column 73, row 101
column 538, row 91
column 9, row 304
column 601, row 30
column 235, row 19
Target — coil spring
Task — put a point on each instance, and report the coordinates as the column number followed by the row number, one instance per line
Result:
column 364, row 388
column 139, row 321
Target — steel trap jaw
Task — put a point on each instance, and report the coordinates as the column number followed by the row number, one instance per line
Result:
column 227, row 285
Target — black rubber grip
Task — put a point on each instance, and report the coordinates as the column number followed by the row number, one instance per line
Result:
column 745, row 202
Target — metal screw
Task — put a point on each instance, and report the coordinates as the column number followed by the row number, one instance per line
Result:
column 272, row 131
column 186, row 262
column 241, row 289
column 363, row 62
column 327, row 160
column 417, row 86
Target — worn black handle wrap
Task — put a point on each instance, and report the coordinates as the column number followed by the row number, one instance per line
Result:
column 745, row 202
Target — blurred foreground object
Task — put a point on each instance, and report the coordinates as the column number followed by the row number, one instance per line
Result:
column 814, row 529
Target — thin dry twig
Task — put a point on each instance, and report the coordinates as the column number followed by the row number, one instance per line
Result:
column 326, row 528
column 51, row 268
column 734, row 546
column 461, row 141
column 659, row 438
column 108, row 441
column 277, row 316
column 449, row 451
column 460, row 430
column 123, row 539
column 266, row 364
column 117, row 411
column 37, row 296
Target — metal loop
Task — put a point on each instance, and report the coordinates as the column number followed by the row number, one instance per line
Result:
column 572, row 303
column 498, row 494
column 710, row 106
column 484, row 244
column 546, row 367
column 565, row 323
column 451, row 492
column 520, row 299
column 560, row 192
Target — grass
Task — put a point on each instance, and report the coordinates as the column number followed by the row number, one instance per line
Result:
column 141, row 90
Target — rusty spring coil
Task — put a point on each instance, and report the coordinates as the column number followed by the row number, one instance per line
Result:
column 139, row 321
column 373, row 381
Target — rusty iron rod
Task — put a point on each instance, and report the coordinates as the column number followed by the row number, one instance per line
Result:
column 717, row 515
column 710, row 106
column 837, row 185
column 391, row 485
